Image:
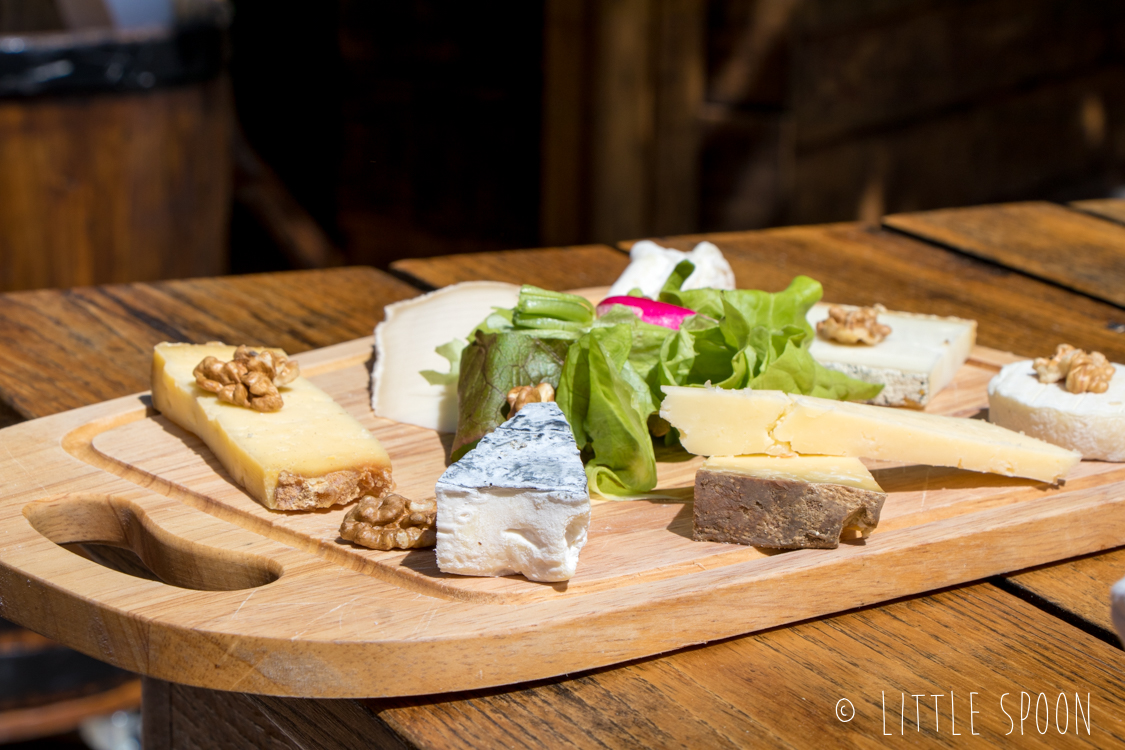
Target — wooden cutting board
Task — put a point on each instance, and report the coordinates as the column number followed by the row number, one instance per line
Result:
column 275, row 603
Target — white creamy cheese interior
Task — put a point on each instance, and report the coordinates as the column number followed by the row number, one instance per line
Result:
column 517, row 503
column 1091, row 423
column 650, row 265
column 917, row 359
column 405, row 344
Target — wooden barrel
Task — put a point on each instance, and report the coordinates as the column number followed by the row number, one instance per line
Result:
column 47, row 689
column 115, row 158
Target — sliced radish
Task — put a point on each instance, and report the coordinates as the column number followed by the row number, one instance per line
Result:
column 650, row 311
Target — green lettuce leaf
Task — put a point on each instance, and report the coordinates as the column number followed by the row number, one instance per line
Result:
column 451, row 351
column 494, row 363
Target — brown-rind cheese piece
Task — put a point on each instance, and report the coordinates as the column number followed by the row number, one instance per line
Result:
column 784, row 503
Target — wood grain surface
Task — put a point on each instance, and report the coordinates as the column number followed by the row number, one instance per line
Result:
column 1051, row 242
column 48, row 337
column 550, row 268
column 274, row 603
column 779, row 689
column 1107, row 208
column 1078, row 587
column 826, row 247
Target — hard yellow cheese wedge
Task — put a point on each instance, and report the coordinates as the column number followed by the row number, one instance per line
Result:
column 718, row 422
column 309, row 454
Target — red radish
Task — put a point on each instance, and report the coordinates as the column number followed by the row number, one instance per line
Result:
column 650, row 311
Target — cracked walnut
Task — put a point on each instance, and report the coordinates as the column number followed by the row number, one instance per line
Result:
column 391, row 522
column 251, row 379
column 1082, row 372
column 856, row 325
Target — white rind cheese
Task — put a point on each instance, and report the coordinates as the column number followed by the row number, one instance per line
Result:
column 718, row 422
column 517, row 503
column 405, row 343
column 1091, row 423
column 650, row 265
column 917, row 359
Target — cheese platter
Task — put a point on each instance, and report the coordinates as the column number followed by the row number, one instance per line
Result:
column 275, row 602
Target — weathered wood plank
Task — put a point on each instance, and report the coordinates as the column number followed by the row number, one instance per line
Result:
column 1107, row 208
column 780, row 688
column 550, row 268
column 1041, row 239
column 68, row 348
column 1079, row 587
column 864, row 264
column 105, row 189
column 1059, row 139
column 866, row 73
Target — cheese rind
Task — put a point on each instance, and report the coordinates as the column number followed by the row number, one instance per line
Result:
column 405, row 344
column 1091, row 423
column 919, row 357
column 309, row 454
column 786, row 503
column 517, row 503
column 718, row 422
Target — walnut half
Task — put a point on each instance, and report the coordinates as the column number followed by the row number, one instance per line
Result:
column 391, row 522
column 1083, row 372
column 859, row 325
column 250, row 379
column 522, row 395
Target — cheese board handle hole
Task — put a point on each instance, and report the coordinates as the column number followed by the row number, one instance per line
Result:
column 117, row 534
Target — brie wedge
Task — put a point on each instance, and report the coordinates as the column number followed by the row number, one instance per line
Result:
column 309, row 454
column 918, row 358
column 1091, row 423
column 517, row 503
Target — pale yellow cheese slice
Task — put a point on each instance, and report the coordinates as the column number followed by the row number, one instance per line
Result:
column 717, row 422
column 842, row 470
column 309, row 454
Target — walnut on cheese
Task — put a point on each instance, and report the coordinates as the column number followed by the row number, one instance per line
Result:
column 522, row 395
column 250, row 379
column 859, row 325
column 391, row 522
column 1084, row 373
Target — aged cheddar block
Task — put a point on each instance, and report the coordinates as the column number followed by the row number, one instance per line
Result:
column 309, row 454
column 717, row 422
column 786, row 503
column 917, row 359
column 517, row 503
column 1091, row 423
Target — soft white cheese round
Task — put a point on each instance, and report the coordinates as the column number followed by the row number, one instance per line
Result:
column 1091, row 423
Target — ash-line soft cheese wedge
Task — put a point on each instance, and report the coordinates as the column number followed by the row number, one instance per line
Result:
column 718, row 422
column 309, row 454
column 914, row 362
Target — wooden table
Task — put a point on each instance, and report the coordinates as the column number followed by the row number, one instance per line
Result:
column 1045, row 631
